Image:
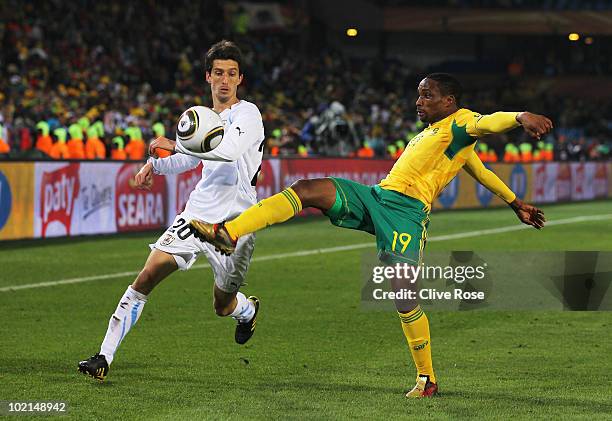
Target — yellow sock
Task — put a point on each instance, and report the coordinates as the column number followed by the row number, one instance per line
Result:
column 416, row 329
column 274, row 209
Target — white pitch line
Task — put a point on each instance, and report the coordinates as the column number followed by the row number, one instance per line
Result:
column 302, row 253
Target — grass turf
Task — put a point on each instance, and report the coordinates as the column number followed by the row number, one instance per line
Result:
column 316, row 354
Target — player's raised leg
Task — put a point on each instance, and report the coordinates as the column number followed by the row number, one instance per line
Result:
column 318, row 193
column 157, row 267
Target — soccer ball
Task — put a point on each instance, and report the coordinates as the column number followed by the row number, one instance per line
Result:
column 199, row 129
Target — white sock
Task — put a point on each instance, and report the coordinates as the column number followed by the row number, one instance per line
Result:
column 125, row 316
column 245, row 309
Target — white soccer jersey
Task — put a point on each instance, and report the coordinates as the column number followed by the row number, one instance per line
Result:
column 229, row 171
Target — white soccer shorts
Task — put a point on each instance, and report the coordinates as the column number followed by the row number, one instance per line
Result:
column 229, row 271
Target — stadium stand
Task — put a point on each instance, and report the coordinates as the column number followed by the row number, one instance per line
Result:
column 70, row 87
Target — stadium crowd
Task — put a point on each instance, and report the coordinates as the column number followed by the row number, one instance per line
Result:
column 99, row 81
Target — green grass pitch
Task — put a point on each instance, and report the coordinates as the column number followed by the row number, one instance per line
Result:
column 316, row 354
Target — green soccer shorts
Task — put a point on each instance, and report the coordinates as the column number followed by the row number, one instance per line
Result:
column 399, row 222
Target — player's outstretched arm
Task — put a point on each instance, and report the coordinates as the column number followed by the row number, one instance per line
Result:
column 245, row 131
column 534, row 124
column 526, row 213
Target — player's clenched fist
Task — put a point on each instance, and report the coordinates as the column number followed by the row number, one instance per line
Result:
column 534, row 124
column 144, row 178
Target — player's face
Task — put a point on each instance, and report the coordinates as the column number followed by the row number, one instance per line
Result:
column 431, row 105
column 224, row 79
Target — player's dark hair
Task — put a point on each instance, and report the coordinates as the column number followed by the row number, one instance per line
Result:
column 448, row 84
column 223, row 50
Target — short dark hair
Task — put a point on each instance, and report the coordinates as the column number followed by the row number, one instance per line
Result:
column 223, row 50
column 449, row 85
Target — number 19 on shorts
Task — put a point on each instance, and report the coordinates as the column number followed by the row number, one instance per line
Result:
column 404, row 239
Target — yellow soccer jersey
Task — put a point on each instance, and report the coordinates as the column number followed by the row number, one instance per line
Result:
column 435, row 156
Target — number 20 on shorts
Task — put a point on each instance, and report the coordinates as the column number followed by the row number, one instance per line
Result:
column 404, row 239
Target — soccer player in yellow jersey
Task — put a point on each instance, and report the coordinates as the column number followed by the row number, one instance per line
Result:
column 396, row 210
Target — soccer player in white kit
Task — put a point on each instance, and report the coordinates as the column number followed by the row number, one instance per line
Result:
column 226, row 189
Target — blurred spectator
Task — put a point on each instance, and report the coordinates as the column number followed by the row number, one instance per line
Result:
column 4, row 146
column 118, row 149
column 60, row 150
column 94, row 147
